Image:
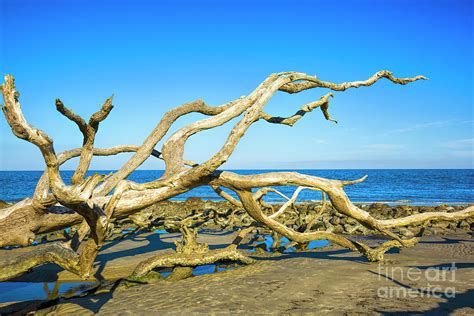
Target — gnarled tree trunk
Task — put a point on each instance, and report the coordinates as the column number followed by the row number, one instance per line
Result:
column 87, row 201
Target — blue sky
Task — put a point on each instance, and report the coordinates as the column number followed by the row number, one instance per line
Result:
column 157, row 55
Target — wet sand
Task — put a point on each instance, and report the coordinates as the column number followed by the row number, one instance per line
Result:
column 328, row 280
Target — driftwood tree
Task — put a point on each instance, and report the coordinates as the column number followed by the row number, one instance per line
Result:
column 96, row 201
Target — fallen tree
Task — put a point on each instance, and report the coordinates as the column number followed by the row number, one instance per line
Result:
column 94, row 202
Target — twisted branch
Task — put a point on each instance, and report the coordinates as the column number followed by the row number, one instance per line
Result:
column 310, row 82
column 89, row 196
column 322, row 103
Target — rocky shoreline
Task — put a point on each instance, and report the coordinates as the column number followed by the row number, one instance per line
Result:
column 224, row 216
column 329, row 219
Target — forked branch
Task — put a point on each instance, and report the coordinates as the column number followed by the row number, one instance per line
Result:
column 89, row 196
column 88, row 131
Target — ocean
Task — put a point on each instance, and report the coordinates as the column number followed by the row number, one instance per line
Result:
column 392, row 186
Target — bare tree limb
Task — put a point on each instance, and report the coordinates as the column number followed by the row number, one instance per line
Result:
column 88, row 196
column 61, row 108
column 290, row 201
column 89, row 131
column 334, row 190
column 155, row 136
column 310, row 82
column 322, row 103
column 50, row 253
column 74, row 197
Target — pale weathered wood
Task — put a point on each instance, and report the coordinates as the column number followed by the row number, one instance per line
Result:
column 56, row 205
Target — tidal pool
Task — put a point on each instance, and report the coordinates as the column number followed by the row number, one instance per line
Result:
column 268, row 240
column 27, row 291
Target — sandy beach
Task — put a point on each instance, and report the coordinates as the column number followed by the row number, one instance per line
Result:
column 326, row 280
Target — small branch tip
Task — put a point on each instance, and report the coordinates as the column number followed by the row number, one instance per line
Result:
column 350, row 182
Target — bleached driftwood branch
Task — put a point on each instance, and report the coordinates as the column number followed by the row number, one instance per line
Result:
column 87, row 199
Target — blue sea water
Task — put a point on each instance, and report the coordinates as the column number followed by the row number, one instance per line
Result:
column 405, row 186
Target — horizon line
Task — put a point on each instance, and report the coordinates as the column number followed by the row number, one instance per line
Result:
column 233, row 169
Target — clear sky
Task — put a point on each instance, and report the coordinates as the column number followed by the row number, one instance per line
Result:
column 154, row 55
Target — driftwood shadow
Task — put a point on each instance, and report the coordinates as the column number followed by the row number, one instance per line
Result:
column 461, row 300
column 451, row 304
